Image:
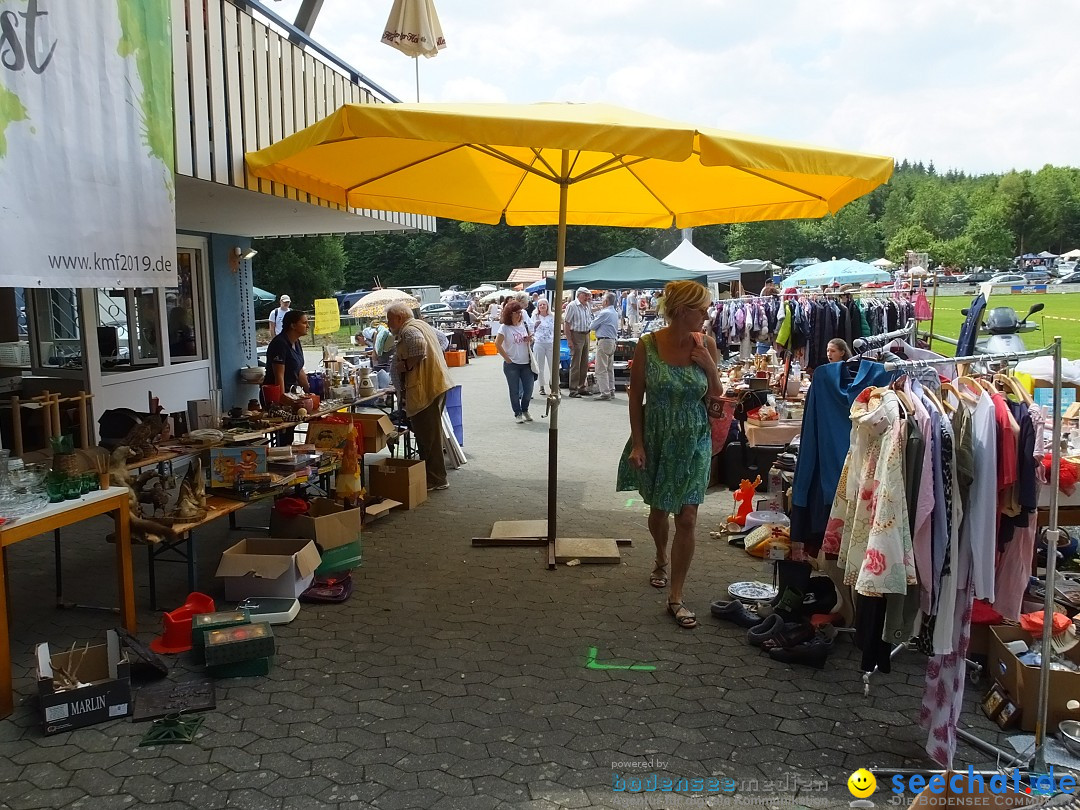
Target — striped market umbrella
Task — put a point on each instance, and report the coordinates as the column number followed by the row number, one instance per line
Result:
column 374, row 304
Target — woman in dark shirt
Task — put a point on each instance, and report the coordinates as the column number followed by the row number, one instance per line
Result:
column 285, row 357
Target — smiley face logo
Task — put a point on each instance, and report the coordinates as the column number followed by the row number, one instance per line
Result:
column 862, row 783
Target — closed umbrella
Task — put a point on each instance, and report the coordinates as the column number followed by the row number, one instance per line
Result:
column 374, row 304
column 883, row 263
column 413, row 28
column 577, row 164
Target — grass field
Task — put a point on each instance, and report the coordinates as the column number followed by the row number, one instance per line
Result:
column 1060, row 317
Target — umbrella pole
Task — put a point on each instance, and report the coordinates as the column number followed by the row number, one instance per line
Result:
column 416, row 65
column 556, row 390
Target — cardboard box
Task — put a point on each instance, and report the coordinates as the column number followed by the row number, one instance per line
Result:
column 268, row 566
column 106, row 695
column 374, row 426
column 1022, row 682
column 327, row 522
column 403, row 480
column 200, row 414
column 377, row 429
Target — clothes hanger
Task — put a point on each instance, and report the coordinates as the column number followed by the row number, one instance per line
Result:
column 902, row 395
column 949, row 388
column 1014, row 385
column 964, row 382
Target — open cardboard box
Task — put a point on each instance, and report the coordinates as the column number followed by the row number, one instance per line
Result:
column 327, row 522
column 106, row 692
column 1022, row 682
column 268, row 566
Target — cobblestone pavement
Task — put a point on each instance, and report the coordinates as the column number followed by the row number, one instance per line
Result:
column 455, row 677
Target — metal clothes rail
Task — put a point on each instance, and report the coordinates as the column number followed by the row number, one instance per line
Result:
column 1053, row 533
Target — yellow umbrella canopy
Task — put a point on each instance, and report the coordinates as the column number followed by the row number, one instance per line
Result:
column 374, row 304
column 487, row 162
column 577, row 164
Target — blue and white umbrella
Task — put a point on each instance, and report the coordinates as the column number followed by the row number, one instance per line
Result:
column 837, row 271
column 537, row 286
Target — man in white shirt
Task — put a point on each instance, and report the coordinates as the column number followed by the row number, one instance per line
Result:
column 278, row 315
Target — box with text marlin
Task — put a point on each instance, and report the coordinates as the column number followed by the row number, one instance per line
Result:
column 83, row 685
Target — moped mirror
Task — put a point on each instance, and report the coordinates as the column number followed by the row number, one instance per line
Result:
column 1034, row 308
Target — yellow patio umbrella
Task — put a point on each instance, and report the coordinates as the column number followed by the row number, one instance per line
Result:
column 577, row 164
column 374, row 304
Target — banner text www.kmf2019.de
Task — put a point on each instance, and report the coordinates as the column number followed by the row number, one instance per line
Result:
column 86, row 144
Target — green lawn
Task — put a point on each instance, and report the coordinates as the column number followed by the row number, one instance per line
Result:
column 1060, row 317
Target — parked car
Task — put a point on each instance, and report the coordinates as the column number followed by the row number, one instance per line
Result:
column 347, row 299
column 436, row 312
column 459, row 305
column 1008, row 278
column 1070, row 278
column 948, row 279
column 1065, row 268
column 976, row 278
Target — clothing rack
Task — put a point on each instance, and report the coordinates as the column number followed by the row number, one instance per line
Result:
column 1053, row 534
column 876, row 341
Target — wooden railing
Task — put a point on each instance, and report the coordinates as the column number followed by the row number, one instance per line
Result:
column 239, row 86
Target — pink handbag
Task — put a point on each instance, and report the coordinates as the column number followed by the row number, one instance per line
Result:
column 721, row 415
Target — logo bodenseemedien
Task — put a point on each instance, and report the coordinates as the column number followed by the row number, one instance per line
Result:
column 862, row 785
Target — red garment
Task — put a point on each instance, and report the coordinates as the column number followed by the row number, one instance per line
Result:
column 1008, row 435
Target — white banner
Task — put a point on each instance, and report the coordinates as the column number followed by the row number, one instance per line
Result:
column 86, row 144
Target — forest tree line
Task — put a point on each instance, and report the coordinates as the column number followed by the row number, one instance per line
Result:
column 959, row 219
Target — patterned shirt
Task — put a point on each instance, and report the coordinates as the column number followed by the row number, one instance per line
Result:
column 410, row 344
column 578, row 316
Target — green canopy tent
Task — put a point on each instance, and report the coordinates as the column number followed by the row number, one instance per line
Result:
column 631, row 269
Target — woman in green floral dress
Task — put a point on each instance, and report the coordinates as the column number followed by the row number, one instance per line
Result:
column 667, row 457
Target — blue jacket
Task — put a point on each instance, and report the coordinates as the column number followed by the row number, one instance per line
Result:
column 826, row 433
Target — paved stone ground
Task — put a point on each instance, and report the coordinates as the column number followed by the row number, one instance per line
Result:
column 455, row 677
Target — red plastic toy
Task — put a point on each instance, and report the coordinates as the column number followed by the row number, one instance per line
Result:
column 745, row 498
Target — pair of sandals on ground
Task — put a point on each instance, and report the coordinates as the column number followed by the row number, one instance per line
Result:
column 684, row 617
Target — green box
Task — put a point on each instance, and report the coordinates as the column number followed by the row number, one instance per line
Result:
column 239, row 643
column 205, row 622
column 254, row 668
column 342, row 558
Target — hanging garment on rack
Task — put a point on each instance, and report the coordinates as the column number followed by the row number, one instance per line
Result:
column 922, row 311
column 826, row 428
column 969, row 329
column 870, row 511
column 1016, row 535
column 980, row 521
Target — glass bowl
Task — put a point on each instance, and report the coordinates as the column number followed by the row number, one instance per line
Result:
column 29, row 477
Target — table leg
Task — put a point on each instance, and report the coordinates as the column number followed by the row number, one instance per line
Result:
column 7, row 699
column 125, row 578
column 191, row 562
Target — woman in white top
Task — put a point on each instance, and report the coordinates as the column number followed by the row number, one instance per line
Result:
column 512, row 343
column 494, row 314
column 543, row 323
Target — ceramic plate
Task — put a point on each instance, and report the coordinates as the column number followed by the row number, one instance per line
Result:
column 751, row 591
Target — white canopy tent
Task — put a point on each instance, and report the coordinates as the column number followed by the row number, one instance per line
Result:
column 1072, row 254
column 688, row 257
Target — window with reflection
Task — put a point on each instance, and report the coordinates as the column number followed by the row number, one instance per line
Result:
column 181, row 306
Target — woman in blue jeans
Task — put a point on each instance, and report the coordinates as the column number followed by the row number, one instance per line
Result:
column 512, row 343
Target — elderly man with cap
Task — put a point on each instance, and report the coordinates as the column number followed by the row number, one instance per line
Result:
column 577, row 323
column 278, row 316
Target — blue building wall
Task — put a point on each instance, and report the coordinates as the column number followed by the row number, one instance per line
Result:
column 232, row 312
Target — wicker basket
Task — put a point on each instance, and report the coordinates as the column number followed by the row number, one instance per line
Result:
column 68, row 463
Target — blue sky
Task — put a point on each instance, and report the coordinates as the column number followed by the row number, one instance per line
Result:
column 980, row 86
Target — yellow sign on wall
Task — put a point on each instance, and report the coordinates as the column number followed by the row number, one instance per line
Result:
column 327, row 316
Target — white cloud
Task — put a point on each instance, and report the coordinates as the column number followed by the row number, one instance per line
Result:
column 978, row 85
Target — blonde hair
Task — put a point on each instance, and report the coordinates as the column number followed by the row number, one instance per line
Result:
column 680, row 295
